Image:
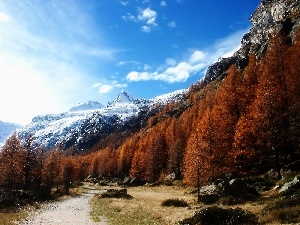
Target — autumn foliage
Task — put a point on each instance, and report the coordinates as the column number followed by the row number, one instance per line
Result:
column 246, row 122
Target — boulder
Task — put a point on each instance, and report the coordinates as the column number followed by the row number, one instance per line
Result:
column 295, row 183
column 125, row 181
column 240, row 189
column 171, row 176
column 136, row 181
column 210, row 194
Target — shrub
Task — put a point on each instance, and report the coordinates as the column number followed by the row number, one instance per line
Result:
column 209, row 198
column 219, row 216
column 230, row 200
column 112, row 193
column 14, row 198
column 284, row 207
column 263, row 183
column 286, row 216
column 174, row 202
column 286, row 203
column 161, row 182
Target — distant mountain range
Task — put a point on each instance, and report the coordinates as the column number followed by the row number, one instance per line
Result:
column 85, row 124
column 6, row 129
column 87, row 106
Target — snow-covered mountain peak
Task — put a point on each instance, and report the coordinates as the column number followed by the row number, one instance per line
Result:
column 87, row 123
column 124, row 97
column 91, row 105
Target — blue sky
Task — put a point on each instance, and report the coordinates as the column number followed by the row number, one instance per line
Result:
column 57, row 54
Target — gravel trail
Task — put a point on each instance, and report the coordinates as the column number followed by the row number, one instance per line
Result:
column 72, row 211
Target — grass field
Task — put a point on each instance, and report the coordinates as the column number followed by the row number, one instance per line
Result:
column 145, row 207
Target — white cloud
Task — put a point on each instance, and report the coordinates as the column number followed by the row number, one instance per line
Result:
column 196, row 63
column 129, row 17
column 146, row 67
column 4, row 17
column 152, row 22
column 104, row 88
column 124, row 3
column 163, row 3
column 138, row 76
column 172, row 24
column 146, row 29
column 197, row 57
column 104, row 53
column 225, row 47
column 173, row 72
column 123, row 63
column 147, row 14
column 171, row 62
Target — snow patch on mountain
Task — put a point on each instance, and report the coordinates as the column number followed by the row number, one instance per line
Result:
column 88, row 119
column 6, row 130
column 167, row 98
column 91, row 105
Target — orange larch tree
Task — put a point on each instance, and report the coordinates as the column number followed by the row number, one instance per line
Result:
column 126, row 154
column 225, row 114
column 293, row 94
column 11, row 164
column 68, row 172
column 31, row 164
column 155, row 154
column 176, row 142
column 199, row 167
column 138, row 165
column 51, row 169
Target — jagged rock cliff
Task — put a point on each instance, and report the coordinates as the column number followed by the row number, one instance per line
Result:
column 269, row 18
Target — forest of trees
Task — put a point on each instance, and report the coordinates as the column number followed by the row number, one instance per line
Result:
column 245, row 123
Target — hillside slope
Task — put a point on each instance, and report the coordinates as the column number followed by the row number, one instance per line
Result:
column 84, row 125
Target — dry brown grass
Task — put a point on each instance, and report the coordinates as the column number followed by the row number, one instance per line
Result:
column 151, row 198
column 147, row 200
column 10, row 216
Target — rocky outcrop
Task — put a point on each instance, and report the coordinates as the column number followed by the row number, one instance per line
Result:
column 270, row 18
column 295, row 183
column 218, row 68
column 240, row 189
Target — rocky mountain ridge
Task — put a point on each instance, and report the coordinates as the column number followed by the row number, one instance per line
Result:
column 270, row 18
column 84, row 125
column 91, row 105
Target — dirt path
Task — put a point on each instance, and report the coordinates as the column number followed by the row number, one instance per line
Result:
column 71, row 211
